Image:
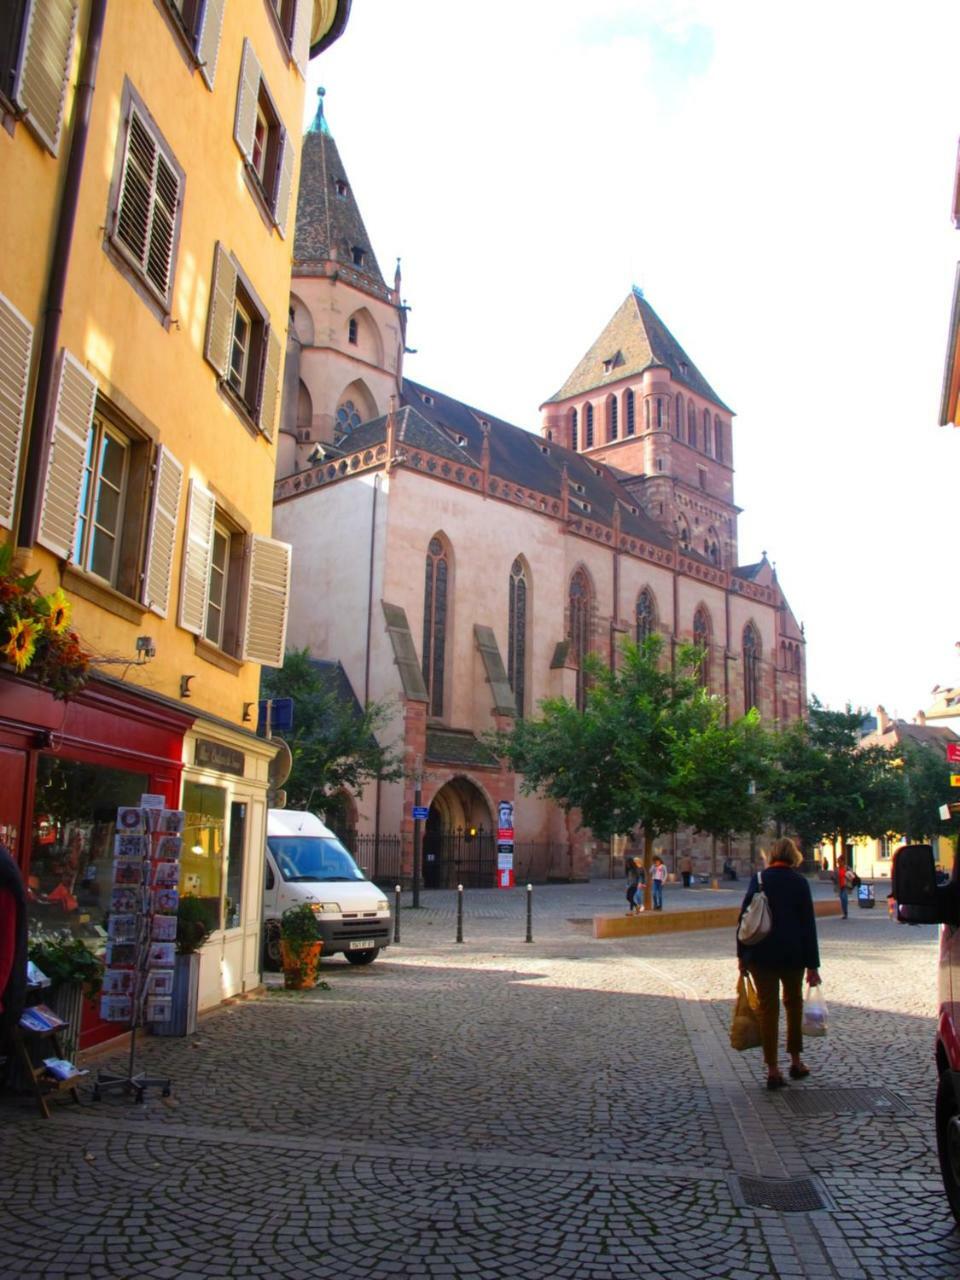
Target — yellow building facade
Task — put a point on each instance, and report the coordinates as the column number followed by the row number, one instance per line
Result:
column 149, row 161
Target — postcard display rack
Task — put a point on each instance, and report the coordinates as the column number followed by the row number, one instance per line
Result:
column 39, row 1025
column 142, row 931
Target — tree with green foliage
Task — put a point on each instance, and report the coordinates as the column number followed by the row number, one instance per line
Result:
column 827, row 785
column 643, row 754
column 923, row 775
column 734, row 767
column 334, row 740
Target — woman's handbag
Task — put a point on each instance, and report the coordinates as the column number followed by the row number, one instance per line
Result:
column 745, row 1028
column 814, row 1011
column 757, row 921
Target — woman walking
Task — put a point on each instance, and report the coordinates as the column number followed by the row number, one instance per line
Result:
column 786, row 954
column 636, row 879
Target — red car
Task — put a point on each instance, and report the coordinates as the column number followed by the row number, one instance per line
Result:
column 922, row 898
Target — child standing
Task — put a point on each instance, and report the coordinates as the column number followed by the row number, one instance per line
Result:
column 659, row 875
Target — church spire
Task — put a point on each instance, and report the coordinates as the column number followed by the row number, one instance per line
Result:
column 319, row 124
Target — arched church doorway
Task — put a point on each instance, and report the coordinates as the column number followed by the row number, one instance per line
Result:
column 459, row 841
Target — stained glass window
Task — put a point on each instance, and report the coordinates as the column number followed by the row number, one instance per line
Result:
column 348, row 416
column 613, row 418
column 588, row 426
column 435, row 623
column 751, row 667
column 646, row 615
column 573, row 430
column 701, row 638
column 630, row 412
column 579, row 631
column 517, row 639
column 691, row 424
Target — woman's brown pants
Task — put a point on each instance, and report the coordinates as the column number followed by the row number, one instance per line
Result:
column 767, row 982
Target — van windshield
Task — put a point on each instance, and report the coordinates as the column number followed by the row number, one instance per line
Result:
column 313, row 858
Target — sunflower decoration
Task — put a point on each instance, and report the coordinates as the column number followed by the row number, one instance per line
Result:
column 58, row 619
column 23, row 640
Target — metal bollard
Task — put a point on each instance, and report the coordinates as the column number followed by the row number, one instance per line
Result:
column 459, row 912
column 396, row 913
column 529, row 937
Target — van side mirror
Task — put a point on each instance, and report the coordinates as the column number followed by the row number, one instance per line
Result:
column 919, row 898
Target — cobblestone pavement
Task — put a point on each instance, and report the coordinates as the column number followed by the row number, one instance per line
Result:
column 503, row 1111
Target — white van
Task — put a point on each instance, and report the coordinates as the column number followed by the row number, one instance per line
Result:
column 305, row 862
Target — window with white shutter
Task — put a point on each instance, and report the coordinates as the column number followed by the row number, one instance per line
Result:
column 242, row 345
column 146, row 201
column 199, row 23
column 266, row 602
column 198, row 546
column 36, row 45
column 162, row 531
column 293, row 18
column 72, row 420
column 262, row 139
column 16, row 341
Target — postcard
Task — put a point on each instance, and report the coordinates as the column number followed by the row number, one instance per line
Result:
column 160, row 982
column 127, row 873
column 118, row 982
column 122, row 928
column 121, row 953
column 129, row 819
column 125, row 900
column 169, row 847
column 115, row 1008
column 126, row 845
column 161, row 955
column 165, row 901
column 166, row 873
column 164, row 929
column 171, row 821
column 159, row 1009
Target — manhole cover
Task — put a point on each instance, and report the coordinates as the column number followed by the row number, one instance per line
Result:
column 786, row 1195
column 866, row 1099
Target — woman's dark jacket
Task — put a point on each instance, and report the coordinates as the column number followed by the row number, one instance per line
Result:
column 13, row 996
column 792, row 942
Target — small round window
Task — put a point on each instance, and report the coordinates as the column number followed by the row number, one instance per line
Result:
column 347, row 416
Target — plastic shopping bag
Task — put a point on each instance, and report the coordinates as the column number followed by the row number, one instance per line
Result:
column 745, row 1029
column 814, row 1012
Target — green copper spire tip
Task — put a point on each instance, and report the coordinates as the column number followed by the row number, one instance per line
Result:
column 319, row 120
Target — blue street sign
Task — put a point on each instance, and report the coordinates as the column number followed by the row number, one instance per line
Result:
column 281, row 716
column 420, row 812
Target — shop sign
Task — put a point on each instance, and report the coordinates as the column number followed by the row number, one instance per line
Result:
column 214, row 755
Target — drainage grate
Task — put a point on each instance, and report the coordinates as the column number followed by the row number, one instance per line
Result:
column 786, row 1195
column 866, row 1099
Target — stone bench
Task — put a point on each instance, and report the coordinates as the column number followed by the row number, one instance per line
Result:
column 625, row 926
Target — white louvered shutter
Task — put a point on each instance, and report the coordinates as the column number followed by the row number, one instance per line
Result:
column 300, row 45
column 267, row 599
column 281, row 202
column 195, row 577
column 16, row 341
column 247, row 93
column 162, row 532
column 220, row 320
column 146, row 214
column 40, row 87
column 208, row 40
column 72, row 420
column 270, row 389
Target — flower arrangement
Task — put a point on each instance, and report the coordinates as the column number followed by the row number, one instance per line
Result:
column 64, row 959
column 34, row 632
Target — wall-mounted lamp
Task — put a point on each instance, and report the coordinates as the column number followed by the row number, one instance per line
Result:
column 246, row 710
column 185, row 686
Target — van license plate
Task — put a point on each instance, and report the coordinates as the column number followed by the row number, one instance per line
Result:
column 361, row 944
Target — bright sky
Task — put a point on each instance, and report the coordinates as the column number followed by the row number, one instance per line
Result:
column 778, row 179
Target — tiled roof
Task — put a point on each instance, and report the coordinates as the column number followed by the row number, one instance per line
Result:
column 329, row 224
column 635, row 339
column 458, row 746
column 433, row 421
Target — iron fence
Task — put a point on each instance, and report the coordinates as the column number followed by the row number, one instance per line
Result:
column 455, row 857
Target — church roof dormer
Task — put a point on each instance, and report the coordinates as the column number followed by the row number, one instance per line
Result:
column 635, row 339
column 329, row 226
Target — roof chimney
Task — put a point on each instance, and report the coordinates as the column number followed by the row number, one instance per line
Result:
column 883, row 720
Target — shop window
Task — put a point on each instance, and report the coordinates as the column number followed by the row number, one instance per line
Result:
column 204, row 844
column 71, row 860
column 263, row 141
column 36, row 42
column 146, row 199
column 242, row 345
column 198, row 24
column 234, row 588
column 236, row 844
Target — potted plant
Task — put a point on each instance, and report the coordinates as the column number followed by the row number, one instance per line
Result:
column 74, row 973
column 193, row 928
column 300, row 946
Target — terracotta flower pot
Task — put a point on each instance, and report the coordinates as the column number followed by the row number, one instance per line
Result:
column 300, row 964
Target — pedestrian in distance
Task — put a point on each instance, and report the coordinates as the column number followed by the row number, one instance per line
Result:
column 636, row 879
column 843, row 887
column 686, row 869
column 659, row 875
column 782, row 959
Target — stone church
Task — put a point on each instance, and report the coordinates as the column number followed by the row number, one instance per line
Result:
column 461, row 566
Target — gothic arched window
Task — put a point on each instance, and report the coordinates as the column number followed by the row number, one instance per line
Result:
column 517, row 633
column 573, row 430
column 717, row 439
column 613, row 417
column 348, row 417
column 437, row 572
column 751, row 667
column 706, row 431
column 691, row 424
column 711, row 546
column 678, row 424
column 701, row 638
column 630, row 411
column 646, row 614
column 579, row 600
column 683, row 532
column 588, row 426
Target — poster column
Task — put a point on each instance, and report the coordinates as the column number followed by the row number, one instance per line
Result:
column 505, row 873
